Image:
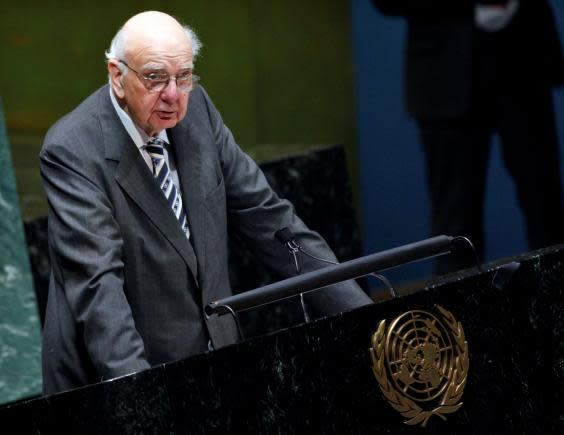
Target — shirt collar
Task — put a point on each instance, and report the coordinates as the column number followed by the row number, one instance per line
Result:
column 137, row 134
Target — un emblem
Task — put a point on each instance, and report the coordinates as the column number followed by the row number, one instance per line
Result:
column 421, row 364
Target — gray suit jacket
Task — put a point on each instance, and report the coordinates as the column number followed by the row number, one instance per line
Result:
column 127, row 289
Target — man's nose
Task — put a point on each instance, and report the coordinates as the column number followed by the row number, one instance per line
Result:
column 171, row 92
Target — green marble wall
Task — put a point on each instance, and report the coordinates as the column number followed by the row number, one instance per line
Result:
column 20, row 370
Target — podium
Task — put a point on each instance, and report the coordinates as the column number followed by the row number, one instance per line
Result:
column 320, row 377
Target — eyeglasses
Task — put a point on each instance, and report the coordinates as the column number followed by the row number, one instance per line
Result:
column 156, row 81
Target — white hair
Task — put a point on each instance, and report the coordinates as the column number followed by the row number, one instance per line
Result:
column 117, row 46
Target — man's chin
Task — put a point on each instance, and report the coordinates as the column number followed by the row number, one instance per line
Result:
column 162, row 124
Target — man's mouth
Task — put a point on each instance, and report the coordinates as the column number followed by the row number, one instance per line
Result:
column 165, row 114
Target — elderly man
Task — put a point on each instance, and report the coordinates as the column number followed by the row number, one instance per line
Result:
column 142, row 179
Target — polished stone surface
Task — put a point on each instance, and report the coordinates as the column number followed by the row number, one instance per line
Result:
column 317, row 377
column 20, row 374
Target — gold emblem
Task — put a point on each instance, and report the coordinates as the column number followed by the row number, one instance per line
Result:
column 421, row 364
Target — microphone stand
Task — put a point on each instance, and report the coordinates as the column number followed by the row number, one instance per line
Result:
column 294, row 248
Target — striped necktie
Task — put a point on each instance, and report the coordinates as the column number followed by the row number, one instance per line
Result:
column 163, row 177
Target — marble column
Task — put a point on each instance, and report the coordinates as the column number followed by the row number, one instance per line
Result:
column 20, row 344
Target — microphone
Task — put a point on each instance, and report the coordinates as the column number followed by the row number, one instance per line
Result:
column 287, row 238
column 284, row 235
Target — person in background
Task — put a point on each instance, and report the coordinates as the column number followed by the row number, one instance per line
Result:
column 142, row 179
column 472, row 69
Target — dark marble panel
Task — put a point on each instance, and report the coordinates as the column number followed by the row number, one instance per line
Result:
column 317, row 377
column 120, row 406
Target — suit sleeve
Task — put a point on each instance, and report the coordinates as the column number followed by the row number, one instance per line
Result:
column 87, row 262
column 256, row 212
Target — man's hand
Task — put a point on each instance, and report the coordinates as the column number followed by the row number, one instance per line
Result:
column 496, row 16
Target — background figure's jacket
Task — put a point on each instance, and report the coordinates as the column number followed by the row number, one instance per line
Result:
column 441, row 51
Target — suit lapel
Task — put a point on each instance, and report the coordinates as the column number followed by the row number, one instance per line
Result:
column 189, row 166
column 136, row 180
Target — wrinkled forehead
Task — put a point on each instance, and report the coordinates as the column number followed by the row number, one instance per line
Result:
column 158, row 44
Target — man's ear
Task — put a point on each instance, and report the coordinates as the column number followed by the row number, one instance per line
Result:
column 116, row 78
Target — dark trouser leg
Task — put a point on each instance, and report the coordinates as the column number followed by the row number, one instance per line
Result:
column 456, row 154
column 530, row 151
